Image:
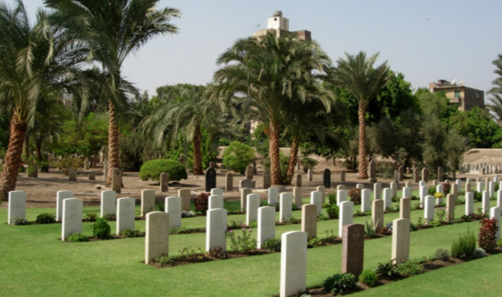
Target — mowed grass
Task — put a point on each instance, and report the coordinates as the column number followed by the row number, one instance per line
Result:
column 34, row 262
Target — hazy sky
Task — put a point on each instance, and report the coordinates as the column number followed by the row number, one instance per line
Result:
column 425, row 40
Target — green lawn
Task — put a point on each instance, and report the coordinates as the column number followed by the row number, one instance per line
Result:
column 34, row 262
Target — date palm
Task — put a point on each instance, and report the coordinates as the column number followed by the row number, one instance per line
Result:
column 496, row 91
column 265, row 75
column 357, row 75
column 112, row 30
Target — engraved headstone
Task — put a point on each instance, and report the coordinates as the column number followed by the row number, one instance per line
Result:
column 210, row 179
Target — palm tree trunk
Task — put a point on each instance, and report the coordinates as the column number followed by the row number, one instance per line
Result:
column 363, row 161
column 292, row 159
column 197, row 151
column 273, row 153
column 113, row 144
column 12, row 158
column 38, row 145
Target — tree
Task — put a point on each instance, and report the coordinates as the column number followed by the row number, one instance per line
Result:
column 477, row 125
column 35, row 63
column 112, row 30
column 495, row 108
column 357, row 76
column 496, row 91
column 267, row 76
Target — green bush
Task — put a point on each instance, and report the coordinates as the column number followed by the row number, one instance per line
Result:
column 408, row 268
column 337, row 283
column 442, row 254
column 308, row 163
column 432, row 191
column 101, row 229
column 272, row 244
column 91, row 216
column 132, row 233
column 19, row 221
column 46, row 218
column 153, row 168
column 368, row 277
column 464, row 245
column 237, row 156
column 333, row 211
column 77, row 237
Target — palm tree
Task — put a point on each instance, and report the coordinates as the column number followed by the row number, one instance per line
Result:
column 265, row 75
column 112, row 30
column 34, row 64
column 357, row 75
column 496, row 91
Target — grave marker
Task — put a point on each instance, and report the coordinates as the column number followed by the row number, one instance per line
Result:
column 147, row 201
column 72, row 217
column 173, row 208
column 293, row 263
column 156, row 235
column 266, row 225
column 309, row 220
column 17, row 206
column 353, row 249
column 210, row 179
column 108, row 203
column 216, row 225
column 125, row 214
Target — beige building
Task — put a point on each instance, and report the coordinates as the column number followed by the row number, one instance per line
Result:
column 280, row 25
column 464, row 97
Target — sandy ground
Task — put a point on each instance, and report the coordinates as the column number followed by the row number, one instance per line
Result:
column 41, row 191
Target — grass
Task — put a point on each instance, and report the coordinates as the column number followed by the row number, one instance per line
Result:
column 35, row 262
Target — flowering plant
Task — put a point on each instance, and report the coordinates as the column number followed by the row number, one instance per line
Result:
column 438, row 195
column 243, row 242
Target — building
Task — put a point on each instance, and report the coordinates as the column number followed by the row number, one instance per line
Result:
column 280, row 25
column 464, row 97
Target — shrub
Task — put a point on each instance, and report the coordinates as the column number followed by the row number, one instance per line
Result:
column 446, row 188
column 153, row 168
column 46, row 218
column 499, row 243
column 132, row 233
column 355, row 196
column 19, row 221
column 77, row 237
column 487, row 234
column 218, row 253
column 432, row 191
column 67, row 163
column 408, row 268
column 464, row 245
column 368, row 277
column 442, row 254
column 314, row 242
column 332, row 198
column 241, row 243
column 386, row 268
column 187, row 214
column 369, row 229
column 308, row 163
column 237, row 156
column 479, row 253
column 333, row 211
column 272, row 244
column 478, row 196
column 101, row 229
column 337, row 283
column 110, row 216
column 202, row 203
column 91, row 216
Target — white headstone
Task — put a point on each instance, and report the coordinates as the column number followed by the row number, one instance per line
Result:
column 322, row 189
column 407, row 192
column 17, row 206
column 298, row 197
column 469, row 203
column 108, row 203
column 156, row 235
column 273, row 195
column 360, row 186
column 377, row 190
column 293, row 263
column 495, row 214
column 173, row 208
column 346, row 215
column 60, row 196
column 217, row 191
column 458, row 183
column 125, row 214
column 147, row 201
column 422, row 183
column 72, row 217
column 400, row 240
column 387, row 198
column 439, row 189
column 253, row 203
column 266, row 224
column 215, row 201
column 244, row 193
column 480, row 187
column 485, row 203
column 423, row 191
column 429, row 208
column 286, row 204
column 341, row 196
column 499, row 198
column 491, row 189
column 365, row 200
column 216, row 225
column 393, row 187
column 316, row 199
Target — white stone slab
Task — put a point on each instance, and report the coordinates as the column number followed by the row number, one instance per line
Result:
column 173, row 208
column 253, row 203
column 407, row 192
column 72, row 217
column 217, row 191
column 393, row 187
column 485, row 203
column 365, row 200
column 216, row 226
column 387, row 198
column 341, row 196
column 316, row 199
column 108, row 203
column 495, row 214
column 286, row 205
column 273, row 195
column 215, row 201
column 429, row 208
column 491, row 189
column 298, row 197
column 147, row 201
column 266, row 224
column 400, row 240
column 125, row 214
column 423, row 191
column 156, row 235
column 17, row 206
column 346, row 215
column 293, row 263
column 469, row 203
column 60, row 196
column 480, row 187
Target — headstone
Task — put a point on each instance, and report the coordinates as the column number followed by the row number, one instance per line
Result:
column 423, row 191
column 360, row 186
column 147, row 201
column 266, row 225
column 387, row 198
column 247, row 183
column 405, row 208
column 185, row 195
column 407, row 192
column 372, row 171
column 125, row 214
column 286, row 204
column 215, row 201
column 249, row 171
column 407, row 184
column 353, row 249
column 17, row 206
column 377, row 191
column 72, row 175
column 439, row 189
column 266, row 179
column 415, row 175
column 309, row 220
column 316, row 199
column 440, row 173
column 491, row 189
column 495, row 214
column 210, row 179
column 92, row 176
column 298, row 180
column 229, row 182
column 434, row 183
column 173, row 208
column 244, row 193
column 60, row 196
column 455, row 188
column 396, row 176
column 401, row 173
column 467, row 187
column 485, row 203
column 480, row 187
column 429, row 208
column 298, row 197
column 322, row 189
column 346, row 216
column 72, row 217
column 164, row 182
column 393, row 187
column 422, row 183
column 117, row 180
column 105, row 171
column 425, row 175
column 252, row 205
column 377, row 213
column 273, row 195
column 326, row 178
column 156, row 235
column 293, row 263
column 217, row 191
column 365, row 200
column 342, row 176
column 469, row 203
column 108, row 203
column 216, row 226
column 450, row 207
column 310, row 175
column 400, row 240
column 499, row 198
column 342, row 196
column 338, row 188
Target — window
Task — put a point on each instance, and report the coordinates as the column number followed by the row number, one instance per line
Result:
column 457, row 94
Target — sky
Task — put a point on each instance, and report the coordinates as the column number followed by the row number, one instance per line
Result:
column 425, row 40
